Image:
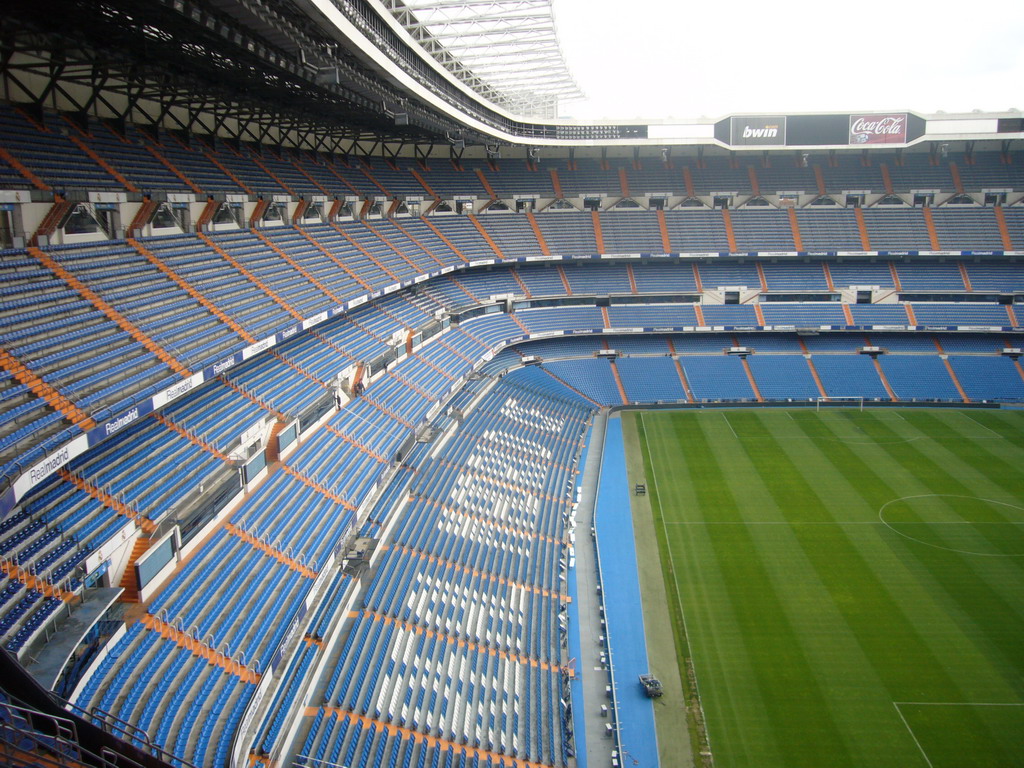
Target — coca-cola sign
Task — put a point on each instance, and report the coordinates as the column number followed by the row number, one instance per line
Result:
column 878, row 129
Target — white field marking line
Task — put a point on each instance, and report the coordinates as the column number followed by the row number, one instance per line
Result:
column 961, row 703
column 837, row 522
column 774, row 522
column 911, row 732
column 675, row 579
column 890, row 526
column 726, row 421
column 989, row 429
column 811, row 415
column 869, row 440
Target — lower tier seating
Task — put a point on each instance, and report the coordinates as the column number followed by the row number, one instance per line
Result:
column 457, row 637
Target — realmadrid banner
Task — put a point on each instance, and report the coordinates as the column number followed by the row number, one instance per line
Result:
column 759, row 131
column 878, row 129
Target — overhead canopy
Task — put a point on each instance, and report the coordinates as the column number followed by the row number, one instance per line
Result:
column 505, row 50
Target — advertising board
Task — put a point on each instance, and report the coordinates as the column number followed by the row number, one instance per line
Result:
column 758, row 131
column 878, row 129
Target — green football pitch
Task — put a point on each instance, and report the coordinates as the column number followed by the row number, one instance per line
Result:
column 848, row 585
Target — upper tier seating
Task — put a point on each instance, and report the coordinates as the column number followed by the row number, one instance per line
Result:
column 989, row 170
column 49, row 153
column 696, row 231
column 970, row 229
column 630, row 232
column 445, row 179
column 916, row 171
column 828, row 229
column 513, row 177
column 65, row 153
column 588, row 178
column 896, row 228
column 761, row 230
column 852, row 172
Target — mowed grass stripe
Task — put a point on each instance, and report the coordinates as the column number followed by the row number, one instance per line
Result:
column 860, row 701
column 699, row 586
column 991, row 470
column 736, row 574
column 717, row 450
column 796, row 707
column 975, row 593
column 996, row 463
column 953, row 472
column 1004, row 423
column 857, row 589
column 948, row 745
column 980, row 591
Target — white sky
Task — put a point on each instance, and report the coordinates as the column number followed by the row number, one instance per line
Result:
column 692, row 58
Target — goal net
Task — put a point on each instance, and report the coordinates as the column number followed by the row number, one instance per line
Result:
column 851, row 401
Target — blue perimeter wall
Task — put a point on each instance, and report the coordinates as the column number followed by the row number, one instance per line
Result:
column 576, row 686
column 623, row 610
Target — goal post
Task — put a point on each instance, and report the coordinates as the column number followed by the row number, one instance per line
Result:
column 845, row 401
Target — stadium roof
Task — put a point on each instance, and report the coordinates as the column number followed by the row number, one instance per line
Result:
column 351, row 77
column 505, row 50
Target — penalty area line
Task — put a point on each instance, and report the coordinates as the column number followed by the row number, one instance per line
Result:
column 968, row 416
column 910, row 730
column 896, row 705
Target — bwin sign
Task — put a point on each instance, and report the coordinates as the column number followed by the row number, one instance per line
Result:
column 769, row 131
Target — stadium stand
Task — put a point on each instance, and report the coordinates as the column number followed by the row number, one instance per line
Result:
column 842, row 374
column 783, row 377
column 242, row 327
column 717, row 378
